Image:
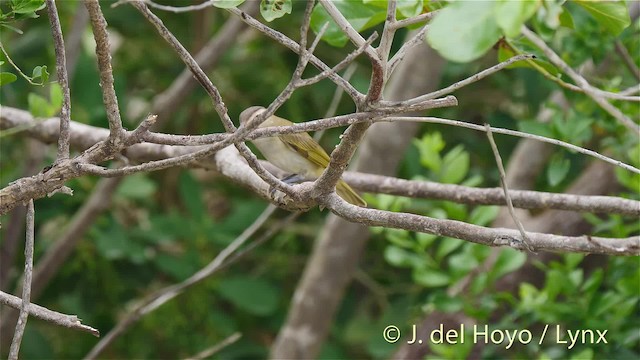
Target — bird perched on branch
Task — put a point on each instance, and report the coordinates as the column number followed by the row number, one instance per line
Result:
column 297, row 154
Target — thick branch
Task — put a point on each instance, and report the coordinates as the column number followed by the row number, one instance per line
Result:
column 481, row 235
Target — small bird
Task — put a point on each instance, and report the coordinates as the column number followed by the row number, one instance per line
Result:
column 297, row 154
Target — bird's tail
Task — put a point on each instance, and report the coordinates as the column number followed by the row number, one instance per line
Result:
column 348, row 194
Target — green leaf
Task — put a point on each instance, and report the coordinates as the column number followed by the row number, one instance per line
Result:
column 7, row 78
column 137, row 187
column 483, row 215
column 429, row 147
column 566, row 19
column 586, row 354
column 55, row 97
column 359, row 15
column 226, row 4
column 511, row 15
column 274, row 9
column 558, row 169
column 27, row 6
column 464, row 30
column 430, row 277
column 399, row 257
column 191, row 194
column 612, row 15
column 38, row 106
column 40, row 72
column 447, row 246
column 256, row 296
column 535, row 127
column 455, row 165
column 409, row 8
column 509, row 260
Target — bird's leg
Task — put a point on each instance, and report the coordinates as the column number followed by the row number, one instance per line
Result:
column 289, row 179
column 293, row 179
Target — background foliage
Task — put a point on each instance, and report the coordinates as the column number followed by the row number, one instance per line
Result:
column 164, row 226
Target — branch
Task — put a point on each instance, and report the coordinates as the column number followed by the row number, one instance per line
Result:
column 26, row 284
column 295, row 47
column 188, row 60
column 155, row 300
column 63, row 79
column 217, row 347
column 165, row 103
column 84, row 136
column 505, row 188
column 481, row 235
column 109, row 98
column 479, row 76
column 42, row 313
column 627, row 59
column 581, row 81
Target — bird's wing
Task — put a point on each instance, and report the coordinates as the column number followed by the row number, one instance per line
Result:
column 307, row 147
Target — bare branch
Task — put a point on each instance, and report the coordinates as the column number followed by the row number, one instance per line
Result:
column 388, row 34
column 295, row 47
column 109, row 98
column 417, row 39
column 165, row 103
column 344, row 25
column 628, row 60
column 581, row 82
column 26, row 284
column 491, row 196
column 505, row 188
column 84, row 136
column 478, row 234
column 377, row 65
column 42, row 313
column 342, row 64
column 523, row 135
column 217, row 347
column 479, row 76
column 63, row 80
column 186, row 57
column 415, row 20
column 152, row 302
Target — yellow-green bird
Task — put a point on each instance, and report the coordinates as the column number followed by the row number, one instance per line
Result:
column 297, row 154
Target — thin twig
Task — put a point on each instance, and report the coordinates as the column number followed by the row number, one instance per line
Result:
column 26, row 284
column 25, row 76
column 581, row 81
column 479, row 76
column 415, row 20
column 339, row 66
column 109, row 98
column 63, row 80
column 395, row 60
column 217, row 347
column 295, row 47
column 188, row 60
column 335, row 101
column 522, row 135
column 42, row 313
column 627, row 59
column 160, row 297
column 347, row 28
column 505, row 188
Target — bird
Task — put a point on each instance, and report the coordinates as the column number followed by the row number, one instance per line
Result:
column 297, row 154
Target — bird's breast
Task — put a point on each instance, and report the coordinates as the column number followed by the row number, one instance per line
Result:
column 284, row 157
